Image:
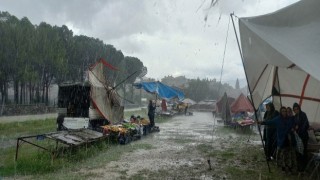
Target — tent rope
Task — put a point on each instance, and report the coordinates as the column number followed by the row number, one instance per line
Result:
column 223, row 57
column 214, row 119
column 255, row 112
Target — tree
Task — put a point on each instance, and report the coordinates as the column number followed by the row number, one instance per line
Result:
column 133, row 68
column 237, row 84
column 32, row 57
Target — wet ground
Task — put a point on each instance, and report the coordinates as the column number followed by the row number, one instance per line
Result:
column 181, row 150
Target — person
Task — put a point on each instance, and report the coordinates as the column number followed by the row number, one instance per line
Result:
column 284, row 127
column 133, row 119
column 292, row 155
column 164, row 105
column 289, row 112
column 301, row 127
column 151, row 111
column 270, row 134
column 186, row 109
column 71, row 110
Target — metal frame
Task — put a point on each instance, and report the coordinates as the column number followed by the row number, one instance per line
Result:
column 24, row 139
column 21, row 140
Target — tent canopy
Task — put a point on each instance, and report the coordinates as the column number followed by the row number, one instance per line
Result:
column 221, row 102
column 189, row 101
column 103, row 97
column 241, row 104
column 162, row 90
column 281, row 54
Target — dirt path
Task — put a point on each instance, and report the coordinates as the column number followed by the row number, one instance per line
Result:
column 179, row 152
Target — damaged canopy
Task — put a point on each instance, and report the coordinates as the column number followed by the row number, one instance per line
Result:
column 104, row 98
column 281, row 54
column 162, row 90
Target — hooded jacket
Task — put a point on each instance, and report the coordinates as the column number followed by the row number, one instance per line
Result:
column 301, row 120
column 284, row 126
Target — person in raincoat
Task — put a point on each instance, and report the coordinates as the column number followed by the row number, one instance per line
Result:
column 151, row 111
column 301, row 127
column 284, row 128
column 270, row 134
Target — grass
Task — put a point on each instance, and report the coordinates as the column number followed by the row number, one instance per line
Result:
column 38, row 163
column 33, row 161
column 15, row 129
column 241, row 161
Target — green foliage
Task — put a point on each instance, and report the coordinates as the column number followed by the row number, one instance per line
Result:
column 36, row 162
column 15, row 129
column 32, row 57
column 205, row 89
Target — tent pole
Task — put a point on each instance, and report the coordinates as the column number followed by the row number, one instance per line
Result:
column 255, row 111
column 279, row 87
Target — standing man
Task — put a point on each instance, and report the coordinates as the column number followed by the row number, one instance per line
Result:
column 270, row 132
column 301, row 127
column 151, row 111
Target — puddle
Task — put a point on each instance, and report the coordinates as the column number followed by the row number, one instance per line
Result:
column 176, row 150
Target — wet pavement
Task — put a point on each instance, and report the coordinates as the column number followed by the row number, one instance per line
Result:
column 174, row 151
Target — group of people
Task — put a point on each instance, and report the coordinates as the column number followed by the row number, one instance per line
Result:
column 280, row 137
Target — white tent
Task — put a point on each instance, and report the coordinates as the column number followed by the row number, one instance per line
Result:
column 104, row 99
column 189, row 101
column 281, row 54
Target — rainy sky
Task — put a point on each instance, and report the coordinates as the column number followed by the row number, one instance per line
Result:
column 171, row 37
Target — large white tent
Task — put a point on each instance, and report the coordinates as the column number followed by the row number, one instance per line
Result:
column 281, row 56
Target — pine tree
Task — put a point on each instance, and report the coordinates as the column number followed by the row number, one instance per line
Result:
column 237, row 84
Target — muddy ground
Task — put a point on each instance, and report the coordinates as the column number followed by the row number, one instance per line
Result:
column 181, row 150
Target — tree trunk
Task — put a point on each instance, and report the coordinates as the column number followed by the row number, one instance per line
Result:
column 2, row 91
column 30, row 93
column 5, row 87
column 38, row 93
column 16, row 91
column 21, row 92
column 43, row 92
column 47, row 94
column 25, row 93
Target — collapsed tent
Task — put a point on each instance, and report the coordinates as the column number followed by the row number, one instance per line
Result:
column 224, row 108
column 281, row 54
column 241, row 104
column 222, row 102
column 162, row 90
column 104, row 98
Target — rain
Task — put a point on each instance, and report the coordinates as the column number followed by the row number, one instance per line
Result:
column 159, row 89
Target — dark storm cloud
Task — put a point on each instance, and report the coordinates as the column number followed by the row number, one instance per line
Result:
column 171, row 37
column 110, row 19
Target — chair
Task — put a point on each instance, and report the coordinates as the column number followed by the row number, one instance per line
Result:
column 315, row 164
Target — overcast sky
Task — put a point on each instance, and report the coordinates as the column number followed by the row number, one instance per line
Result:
column 171, row 37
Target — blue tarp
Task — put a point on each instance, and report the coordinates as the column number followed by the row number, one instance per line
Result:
column 162, row 90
